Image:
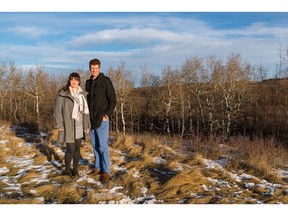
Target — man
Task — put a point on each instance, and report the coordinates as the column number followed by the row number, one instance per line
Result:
column 101, row 102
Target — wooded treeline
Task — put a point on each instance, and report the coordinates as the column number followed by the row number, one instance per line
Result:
column 205, row 96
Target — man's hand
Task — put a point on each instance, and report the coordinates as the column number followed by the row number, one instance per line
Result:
column 105, row 118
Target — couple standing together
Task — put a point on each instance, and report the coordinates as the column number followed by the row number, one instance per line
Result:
column 77, row 114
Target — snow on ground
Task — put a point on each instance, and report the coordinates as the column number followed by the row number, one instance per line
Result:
column 117, row 193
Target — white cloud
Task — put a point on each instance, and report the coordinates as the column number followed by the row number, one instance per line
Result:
column 133, row 35
column 29, row 31
column 138, row 39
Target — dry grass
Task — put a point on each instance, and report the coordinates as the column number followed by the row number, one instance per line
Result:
column 8, row 135
column 102, row 196
column 13, row 171
column 39, row 159
column 68, row 194
column 132, row 185
column 3, row 156
column 123, row 143
column 182, row 185
column 259, row 157
column 195, row 159
column 179, row 176
column 21, row 201
column 2, row 186
column 208, row 147
column 15, row 149
column 29, row 175
column 46, row 191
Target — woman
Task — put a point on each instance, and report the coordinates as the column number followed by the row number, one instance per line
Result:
column 72, row 121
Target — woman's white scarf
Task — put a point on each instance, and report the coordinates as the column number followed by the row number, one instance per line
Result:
column 80, row 103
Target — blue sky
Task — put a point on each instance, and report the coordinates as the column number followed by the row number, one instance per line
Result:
column 62, row 41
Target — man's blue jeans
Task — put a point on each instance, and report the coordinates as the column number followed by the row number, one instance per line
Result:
column 99, row 141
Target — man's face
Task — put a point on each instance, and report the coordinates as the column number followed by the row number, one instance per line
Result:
column 95, row 70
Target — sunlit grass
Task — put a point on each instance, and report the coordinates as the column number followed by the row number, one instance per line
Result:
column 154, row 165
column 15, row 149
column 3, row 156
column 21, row 201
column 29, row 175
column 68, row 194
column 259, row 157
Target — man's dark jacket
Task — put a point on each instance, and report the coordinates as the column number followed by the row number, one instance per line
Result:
column 101, row 98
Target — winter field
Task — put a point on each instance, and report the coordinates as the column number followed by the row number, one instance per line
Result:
column 145, row 170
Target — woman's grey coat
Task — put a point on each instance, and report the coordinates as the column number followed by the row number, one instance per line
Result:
column 63, row 117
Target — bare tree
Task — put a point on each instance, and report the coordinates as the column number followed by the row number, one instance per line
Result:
column 2, row 90
column 195, row 74
column 148, row 83
column 234, row 82
column 169, row 83
column 123, row 83
column 11, row 86
column 214, row 67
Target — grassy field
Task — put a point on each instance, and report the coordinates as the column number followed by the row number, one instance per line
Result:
column 145, row 169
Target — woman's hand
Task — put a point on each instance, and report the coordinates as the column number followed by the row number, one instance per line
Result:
column 61, row 129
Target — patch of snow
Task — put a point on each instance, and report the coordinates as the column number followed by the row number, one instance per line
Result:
column 136, row 174
column 146, row 200
column 122, row 168
column 179, row 167
column 39, row 181
column 40, row 198
column 245, row 176
column 125, row 200
column 222, row 161
column 159, row 160
column 121, row 158
column 32, row 191
column 4, row 142
column 27, row 144
column 36, row 166
column 21, row 173
column 204, row 187
column 41, row 169
column 16, row 187
column 4, row 179
column 3, row 170
column 235, row 177
column 219, row 182
column 55, row 183
column 210, row 164
column 249, row 185
column 144, row 191
column 20, row 162
column 115, row 188
column 117, row 151
column 282, row 173
column 56, row 163
column 89, row 180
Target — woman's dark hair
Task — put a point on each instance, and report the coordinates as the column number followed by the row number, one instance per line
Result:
column 71, row 76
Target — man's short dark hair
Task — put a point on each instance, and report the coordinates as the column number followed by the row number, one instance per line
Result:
column 94, row 62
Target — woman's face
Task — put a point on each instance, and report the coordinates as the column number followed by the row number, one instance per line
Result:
column 74, row 83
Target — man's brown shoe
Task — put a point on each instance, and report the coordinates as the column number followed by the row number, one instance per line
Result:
column 95, row 172
column 104, row 177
